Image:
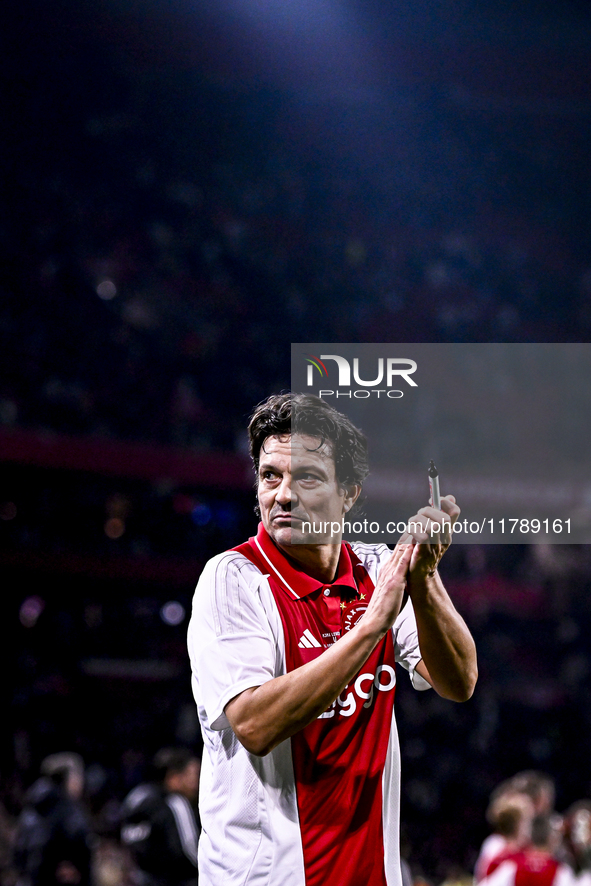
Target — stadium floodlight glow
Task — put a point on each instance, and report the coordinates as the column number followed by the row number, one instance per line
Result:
column 319, row 47
column 106, row 290
column 30, row 610
column 172, row 613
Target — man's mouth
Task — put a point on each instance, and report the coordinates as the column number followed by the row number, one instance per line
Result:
column 287, row 517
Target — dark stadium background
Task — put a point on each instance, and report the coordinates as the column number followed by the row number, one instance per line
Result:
column 186, row 189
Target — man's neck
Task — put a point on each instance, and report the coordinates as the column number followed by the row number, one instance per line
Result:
column 318, row 561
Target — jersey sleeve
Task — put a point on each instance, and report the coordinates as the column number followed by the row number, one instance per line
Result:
column 406, row 645
column 231, row 644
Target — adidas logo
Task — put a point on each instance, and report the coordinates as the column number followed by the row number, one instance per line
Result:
column 307, row 640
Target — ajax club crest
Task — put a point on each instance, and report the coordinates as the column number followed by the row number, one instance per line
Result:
column 352, row 614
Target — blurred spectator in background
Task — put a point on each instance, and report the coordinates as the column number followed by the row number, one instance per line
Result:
column 510, row 813
column 159, row 824
column 539, row 787
column 53, row 837
column 575, row 849
column 533, row 865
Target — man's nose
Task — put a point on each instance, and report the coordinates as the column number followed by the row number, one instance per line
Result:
column 284, row 495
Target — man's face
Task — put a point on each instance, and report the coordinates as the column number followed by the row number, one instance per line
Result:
column 297, row 483
column 185, row 782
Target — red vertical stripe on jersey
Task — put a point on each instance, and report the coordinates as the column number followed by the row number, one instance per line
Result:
column 339, row 758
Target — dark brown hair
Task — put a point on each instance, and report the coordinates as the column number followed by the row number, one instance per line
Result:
column 171, row 760
column 283, row 414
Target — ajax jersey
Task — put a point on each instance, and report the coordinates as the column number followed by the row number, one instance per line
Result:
column 338, row 759
column 336, row 782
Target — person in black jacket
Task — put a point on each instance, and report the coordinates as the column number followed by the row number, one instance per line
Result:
column 159, row 824
column 53, row 837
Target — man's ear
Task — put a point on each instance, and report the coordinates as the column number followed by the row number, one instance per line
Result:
column 257, row 508
column 352, row 493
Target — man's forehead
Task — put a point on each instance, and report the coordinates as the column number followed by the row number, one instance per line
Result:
column 298, row 447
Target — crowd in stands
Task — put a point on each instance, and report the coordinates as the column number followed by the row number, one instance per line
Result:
column 165, row 239
column 151, row 839
column 63, row 833
column 531, row 843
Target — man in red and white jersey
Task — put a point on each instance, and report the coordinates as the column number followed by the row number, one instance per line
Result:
column 293, row 644
column 534, row 864
column 514, row 804
column 511, row 814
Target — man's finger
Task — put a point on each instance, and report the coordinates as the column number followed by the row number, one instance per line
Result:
column 406, row 554
column 405, row 541
column 449, row 507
